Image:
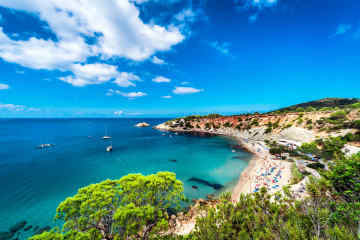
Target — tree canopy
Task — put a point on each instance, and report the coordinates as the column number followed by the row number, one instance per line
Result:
column 132, row 207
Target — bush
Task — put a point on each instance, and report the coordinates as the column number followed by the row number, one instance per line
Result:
column 316, row 166
column 296, row 175
column 338, row 115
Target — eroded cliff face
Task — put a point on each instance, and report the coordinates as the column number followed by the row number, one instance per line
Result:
column 300, row 127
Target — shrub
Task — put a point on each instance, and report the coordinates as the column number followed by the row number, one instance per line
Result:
column 296, row 175
column 228, row 125
column 316, row 166
column 338, row 115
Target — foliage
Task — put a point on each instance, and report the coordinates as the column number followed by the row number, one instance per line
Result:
column 296, row 175
column 345, row 177
column 316, row 165
column 338, row 115
column 133, row 207
column 228, row 124
column 263, row 216
column 311, row 148
column 355, row 105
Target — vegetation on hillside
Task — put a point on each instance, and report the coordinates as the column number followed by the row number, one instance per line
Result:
column 135, row 207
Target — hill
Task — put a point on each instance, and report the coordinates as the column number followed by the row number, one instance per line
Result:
column 322, row 103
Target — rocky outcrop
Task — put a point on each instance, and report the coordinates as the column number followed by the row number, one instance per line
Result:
column 142, row 124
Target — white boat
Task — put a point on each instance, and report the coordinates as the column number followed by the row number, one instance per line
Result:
column 106, row 137
column 109, row 148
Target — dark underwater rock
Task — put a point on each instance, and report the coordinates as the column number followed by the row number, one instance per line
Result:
column 195, row 187
column 18, row 226
column 28, row 228
column 6, row 235
column 44, row 229
column 215, row 186
column 173, row 160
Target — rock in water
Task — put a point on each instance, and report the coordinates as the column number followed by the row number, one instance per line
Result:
column 6, row 235
column 194, row 187
column 44, row 229
column 215, row 186
column 28, row 228
column 18, row 226
column 142, row 124
column 173, row 160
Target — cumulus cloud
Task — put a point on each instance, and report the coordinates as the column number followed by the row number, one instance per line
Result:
column 4, row 86
column 222, row 48
column 119, row 112
column 126, row 79
column 341, row 29
column 130, row 95
column 186, row 90
column 157, row 60
column 167, row 97
column 98, row 73
column 161, row 79
column 115, row 26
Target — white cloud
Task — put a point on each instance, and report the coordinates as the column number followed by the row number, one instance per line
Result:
column 259, row 3
column 16, row 108
column 186, row 90
column 221, row 47
column 167, row 97
column 341, row 29
column 98, row 73
column 186, row 15
column 119, row 112
column 4, row 86
column 185, row 83
column 116, row 26
column 130, row 95
column 157, row 60
column 161, row 79
column 20, row 72
column 126, row 79
column 90, row 74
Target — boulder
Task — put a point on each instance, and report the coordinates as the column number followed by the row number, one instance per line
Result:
column 142, row 124
column 18, row 226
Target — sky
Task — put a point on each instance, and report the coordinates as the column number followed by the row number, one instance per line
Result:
column 165, row 58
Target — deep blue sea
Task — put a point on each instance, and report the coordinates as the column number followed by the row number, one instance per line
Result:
column 33, row 181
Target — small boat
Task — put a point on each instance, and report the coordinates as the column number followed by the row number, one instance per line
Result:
column 106, row 137
column 45, row 145
column 109, row 148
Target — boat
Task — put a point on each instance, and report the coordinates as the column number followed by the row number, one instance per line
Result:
column 45, row 145
column 109, row 148
column 106, row 137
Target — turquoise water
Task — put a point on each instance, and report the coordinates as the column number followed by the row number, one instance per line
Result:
column 33, row 182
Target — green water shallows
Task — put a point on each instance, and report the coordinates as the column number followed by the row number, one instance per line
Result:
column 33, row 182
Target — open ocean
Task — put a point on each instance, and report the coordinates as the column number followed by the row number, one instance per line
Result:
column 33, row 181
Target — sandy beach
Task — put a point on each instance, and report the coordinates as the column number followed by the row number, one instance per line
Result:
column 262, row 171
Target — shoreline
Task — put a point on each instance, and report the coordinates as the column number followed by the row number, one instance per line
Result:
column 262, row 170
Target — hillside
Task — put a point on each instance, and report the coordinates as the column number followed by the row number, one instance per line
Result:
column 322, row 103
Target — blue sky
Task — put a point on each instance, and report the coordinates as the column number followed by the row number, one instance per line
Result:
column 160, row 58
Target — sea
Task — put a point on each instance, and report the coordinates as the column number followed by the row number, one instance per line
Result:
column 34, row 181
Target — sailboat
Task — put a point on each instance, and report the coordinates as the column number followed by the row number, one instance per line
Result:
column 106, row 137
